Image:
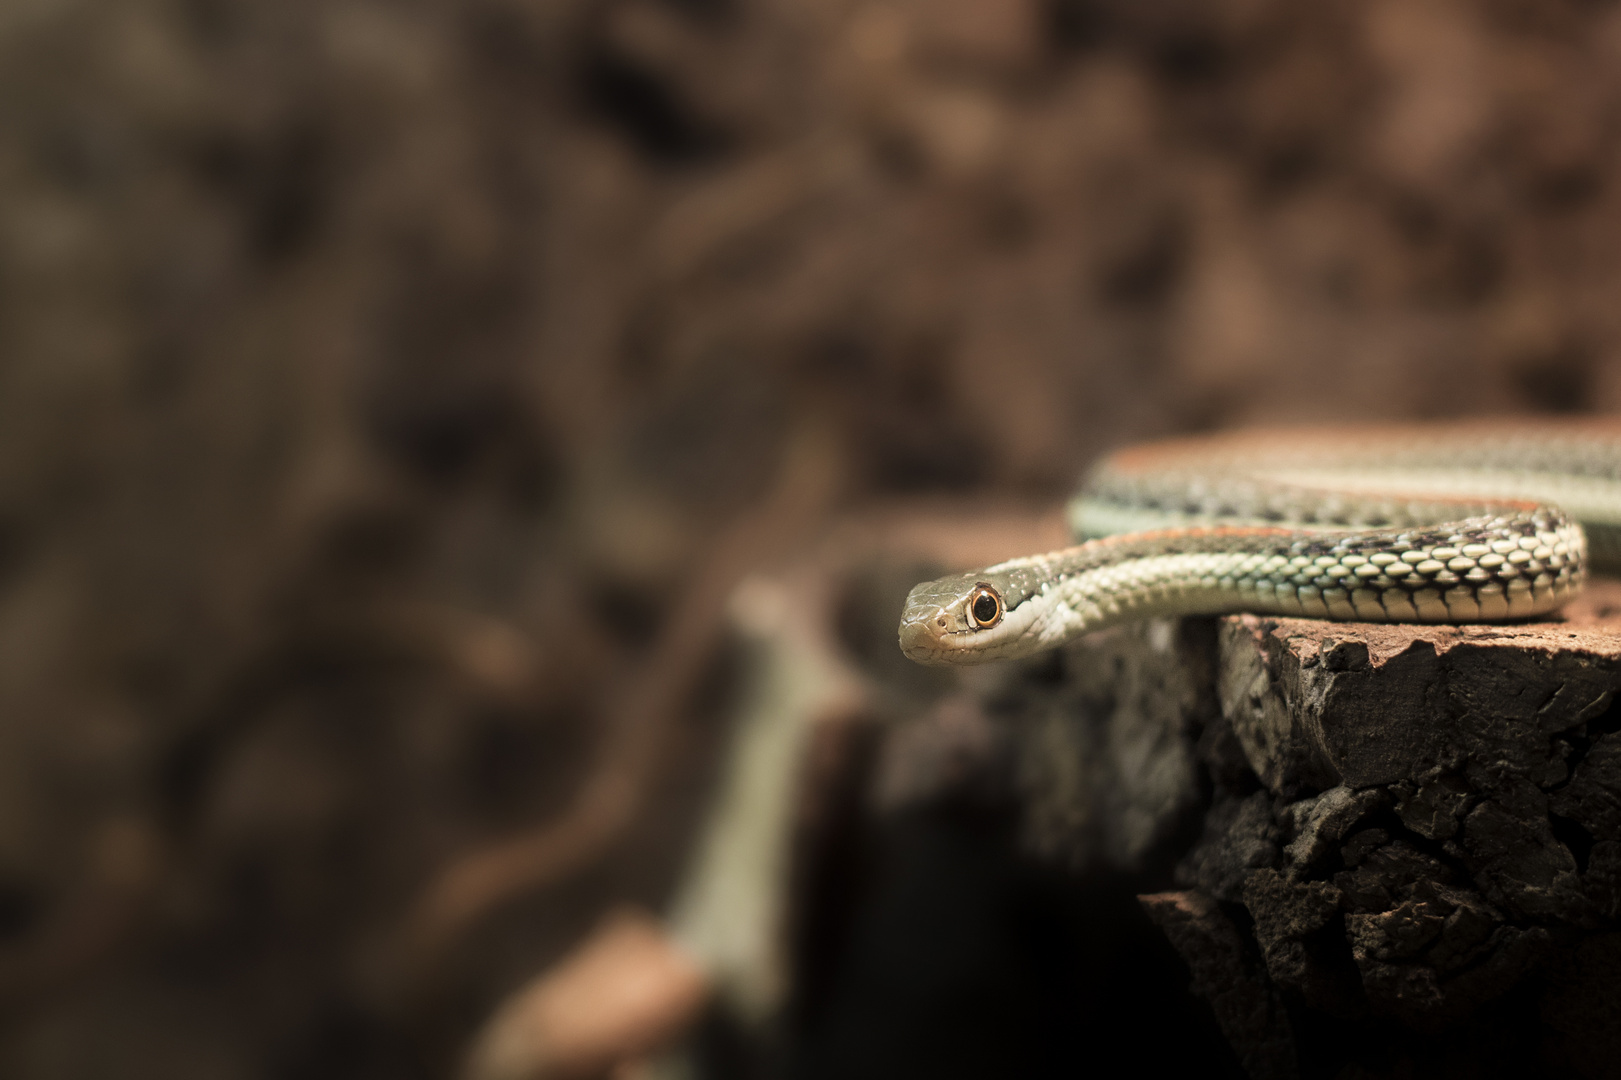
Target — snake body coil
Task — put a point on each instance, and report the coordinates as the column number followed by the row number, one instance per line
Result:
column 1447, row 523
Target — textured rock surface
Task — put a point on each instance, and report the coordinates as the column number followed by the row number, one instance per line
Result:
column 1378, row 851
column 1108, row 737
column 1405, row 841
column 1246, row 1002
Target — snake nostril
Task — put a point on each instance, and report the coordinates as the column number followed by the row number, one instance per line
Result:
column 941, row 621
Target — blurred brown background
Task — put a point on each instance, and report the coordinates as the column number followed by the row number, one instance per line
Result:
column 377, row 379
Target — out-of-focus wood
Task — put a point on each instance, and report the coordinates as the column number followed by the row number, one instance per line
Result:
column 622, row 992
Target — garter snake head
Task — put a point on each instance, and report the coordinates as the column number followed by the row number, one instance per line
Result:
column 966, row 618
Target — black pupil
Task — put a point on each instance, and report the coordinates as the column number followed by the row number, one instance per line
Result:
column 985, row 607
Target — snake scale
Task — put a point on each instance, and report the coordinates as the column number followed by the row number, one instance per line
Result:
column 1455, row 522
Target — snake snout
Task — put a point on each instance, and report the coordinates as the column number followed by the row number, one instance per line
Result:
column 923, row 624
column 917, row 642
column 917, row 627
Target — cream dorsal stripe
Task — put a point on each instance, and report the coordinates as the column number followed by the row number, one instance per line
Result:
column 1462, row 522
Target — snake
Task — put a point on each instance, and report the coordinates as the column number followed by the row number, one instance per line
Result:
column 1450, row 522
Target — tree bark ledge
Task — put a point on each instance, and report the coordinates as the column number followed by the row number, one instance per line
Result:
column 1393, row 847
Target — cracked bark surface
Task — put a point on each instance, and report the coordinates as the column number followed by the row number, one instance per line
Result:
column 1408, row 838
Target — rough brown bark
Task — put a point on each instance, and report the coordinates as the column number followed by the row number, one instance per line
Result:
column 1393, row 847
column 1429, row 821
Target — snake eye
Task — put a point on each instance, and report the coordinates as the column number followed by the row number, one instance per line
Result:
column 985, row 606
